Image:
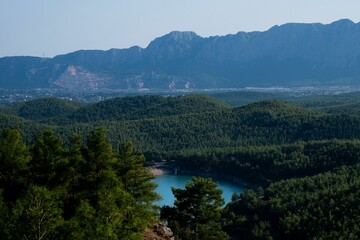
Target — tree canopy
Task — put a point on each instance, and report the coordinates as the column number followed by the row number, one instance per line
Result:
column 52, row 191
column 197, row 211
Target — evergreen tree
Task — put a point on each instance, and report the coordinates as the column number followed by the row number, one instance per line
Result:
column 37, row 215
column 99, row 155
column 197, row 211
column 136, row 181
column 106, row 219
column 83, row 224
column 14, row 157
column 49, row 161
column 4, row 219
column 74, row 175
column 111, row 208
column 99, row 159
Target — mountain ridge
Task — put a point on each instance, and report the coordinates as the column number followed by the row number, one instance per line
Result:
column 292, row 54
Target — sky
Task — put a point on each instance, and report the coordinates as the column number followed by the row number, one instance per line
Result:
column 52, row 27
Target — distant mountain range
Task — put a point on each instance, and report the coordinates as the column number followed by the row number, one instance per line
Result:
column 289, row 55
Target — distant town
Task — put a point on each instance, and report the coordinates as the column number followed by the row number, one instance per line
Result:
column 8, row 97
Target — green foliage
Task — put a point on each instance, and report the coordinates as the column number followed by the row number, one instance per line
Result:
column 108, row 219
column 4, row 218
column 140, row 107
column 239, row 98
column 137, row 182
column 159, row 125
column 135, row 179
column 99, row 159
column 266, row 164
column 197, row 211
column 82, row 224
column 317, row 207
column 37, row 215
column 14, row 157
column 45, row 108
column 345, row 103
column 307, row 160
column 73, row 192
column 73, row 176
column 48, row 159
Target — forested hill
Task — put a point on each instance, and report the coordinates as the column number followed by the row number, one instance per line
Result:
column 141, row 107
column 44, row 108
column 168, row 124
column 125, row 108
column 335, row 103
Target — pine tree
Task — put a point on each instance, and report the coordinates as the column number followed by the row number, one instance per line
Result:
column 4, row 219
column 73, row 176
column 136, row 181
column 99, row 156
column 197, row 211
column 49, row 161
column 37, row 214
column 14, row 157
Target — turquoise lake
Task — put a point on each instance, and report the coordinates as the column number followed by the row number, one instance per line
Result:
column 165, row 182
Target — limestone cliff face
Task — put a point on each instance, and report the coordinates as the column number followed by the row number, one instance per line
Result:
column 326, row 44
column 175, row 45
column 292, row 54
column 77, row 78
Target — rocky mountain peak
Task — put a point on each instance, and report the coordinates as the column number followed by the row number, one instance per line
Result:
column 182, row 36
column 343, row 22
column 175, row 37
column 174, row 44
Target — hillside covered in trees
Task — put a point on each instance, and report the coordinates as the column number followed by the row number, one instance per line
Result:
column 84, row 191
column 174, row 124
column 303, row 158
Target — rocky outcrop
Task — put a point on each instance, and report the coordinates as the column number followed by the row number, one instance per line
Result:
column 158, row 232
column 80, row 79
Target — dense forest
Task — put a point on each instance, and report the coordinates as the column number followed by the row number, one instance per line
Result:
column 300, row 157
column 173, row 124
column 84, row 191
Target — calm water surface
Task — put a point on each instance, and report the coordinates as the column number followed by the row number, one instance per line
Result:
column 165, row 182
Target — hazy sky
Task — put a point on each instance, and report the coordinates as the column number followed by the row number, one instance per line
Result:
column 51, row 27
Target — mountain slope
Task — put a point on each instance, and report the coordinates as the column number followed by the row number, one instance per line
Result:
column 292, row 54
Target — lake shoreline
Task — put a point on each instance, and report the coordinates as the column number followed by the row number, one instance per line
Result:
column 217, row 177
column 157, row 171
column 167, row 182
column 161, row 169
